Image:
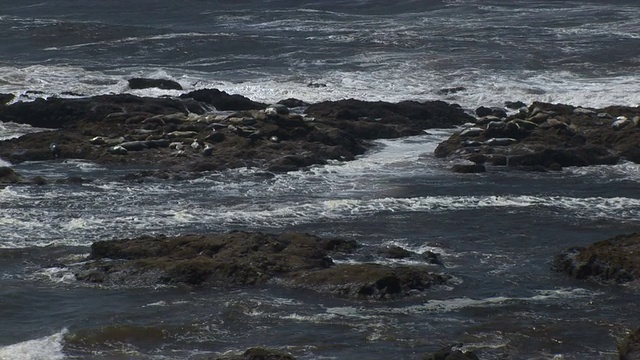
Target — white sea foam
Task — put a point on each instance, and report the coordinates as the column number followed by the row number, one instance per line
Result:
column 449, row 305
column 43, row 225
column 404, row 81
column 45, row 348
column 58, row 275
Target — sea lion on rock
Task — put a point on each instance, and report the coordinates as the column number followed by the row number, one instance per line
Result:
column 471, row 132
column 98, row 140
column 134, row 145
column 276, row 109
column 620, row 122
column 208, row 150
column 117, row 150
column 500, row 141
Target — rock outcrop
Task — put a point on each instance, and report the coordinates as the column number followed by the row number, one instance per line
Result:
column 244, row 258
column 614, row 260
column 548, row 137
column 211, row 130
column 144, row 83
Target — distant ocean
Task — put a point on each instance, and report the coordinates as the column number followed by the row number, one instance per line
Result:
column 577, row 52
column 495, row 232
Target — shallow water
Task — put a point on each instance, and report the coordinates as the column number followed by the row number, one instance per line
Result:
column 496, row 233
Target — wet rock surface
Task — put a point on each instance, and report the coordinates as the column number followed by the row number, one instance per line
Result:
column 615, row 260
column 548, row 137
column 258, row 354
column 208, row 130
column 247, row 258
column 144, row 83
column 5, row 98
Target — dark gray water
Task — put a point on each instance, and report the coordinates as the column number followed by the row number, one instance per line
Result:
column 579, row 52
column 496, row 232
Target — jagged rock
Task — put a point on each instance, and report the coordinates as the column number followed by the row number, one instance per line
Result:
column 293, row 103
column 223, row 101
column 494, row 111
column 514, row 105
column 143, row 83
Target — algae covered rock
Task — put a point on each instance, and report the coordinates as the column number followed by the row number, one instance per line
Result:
column 251, row 258
column 615, row 260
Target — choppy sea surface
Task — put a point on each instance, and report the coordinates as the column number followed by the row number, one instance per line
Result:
column 496, row 232
column 577, row 52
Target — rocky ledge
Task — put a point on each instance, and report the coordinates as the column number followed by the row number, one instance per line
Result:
column 246, row 258
column 212, row 130
column 546, row 137
column 615, row 260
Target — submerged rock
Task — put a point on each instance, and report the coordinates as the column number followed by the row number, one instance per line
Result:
column 9, row 176
column 613, row 260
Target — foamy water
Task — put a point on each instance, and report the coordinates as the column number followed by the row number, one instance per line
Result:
column 81, row 214
column 45, row 348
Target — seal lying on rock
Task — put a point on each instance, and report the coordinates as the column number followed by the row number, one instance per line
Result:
column 551, row 136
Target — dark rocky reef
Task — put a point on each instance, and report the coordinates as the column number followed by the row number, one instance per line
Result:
column 374, row 120
column 245, row 258
column 614, row 260
column 547, row 137
column 144, row 83
column 193, row 134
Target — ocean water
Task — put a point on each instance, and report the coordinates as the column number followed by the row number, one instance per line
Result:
column 577, row 52
column 496, row 232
